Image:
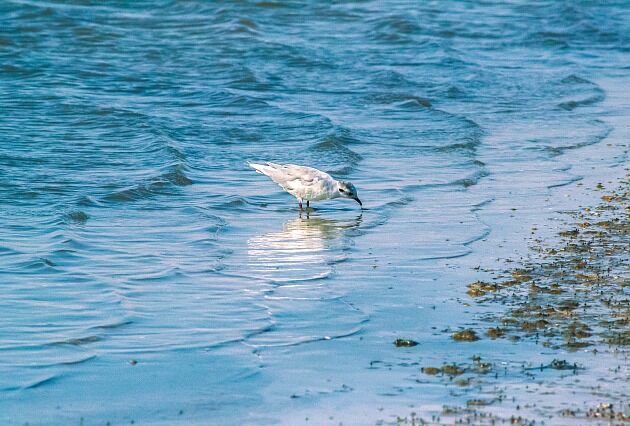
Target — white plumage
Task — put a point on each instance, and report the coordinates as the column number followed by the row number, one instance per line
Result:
column 307, row 183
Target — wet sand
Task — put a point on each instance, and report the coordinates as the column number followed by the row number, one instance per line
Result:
column 567, row 296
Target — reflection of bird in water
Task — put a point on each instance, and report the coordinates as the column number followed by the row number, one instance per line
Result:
column 302, row 250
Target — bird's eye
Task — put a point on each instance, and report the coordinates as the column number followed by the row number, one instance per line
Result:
column 341, row 190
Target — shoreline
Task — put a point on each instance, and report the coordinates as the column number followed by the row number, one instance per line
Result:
column 571, row 259
column 569, row 297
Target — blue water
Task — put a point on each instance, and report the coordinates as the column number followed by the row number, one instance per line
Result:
column 148, row 274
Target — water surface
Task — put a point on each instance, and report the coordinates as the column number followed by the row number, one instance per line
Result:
column 148, row 274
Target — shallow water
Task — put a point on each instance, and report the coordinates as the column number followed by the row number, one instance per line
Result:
column 132, row 229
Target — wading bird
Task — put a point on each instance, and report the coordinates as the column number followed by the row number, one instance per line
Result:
column 306, row 183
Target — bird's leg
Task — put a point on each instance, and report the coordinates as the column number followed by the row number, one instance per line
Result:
column 308, row 204
column 300, row 203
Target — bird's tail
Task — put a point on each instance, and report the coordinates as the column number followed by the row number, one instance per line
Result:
column 265, row 169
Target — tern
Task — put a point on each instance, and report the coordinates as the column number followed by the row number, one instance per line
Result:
column 307, row 183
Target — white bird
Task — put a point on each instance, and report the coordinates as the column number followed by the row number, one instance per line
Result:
column 306, row 183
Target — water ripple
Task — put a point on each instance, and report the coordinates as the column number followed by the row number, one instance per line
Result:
column 131, row 227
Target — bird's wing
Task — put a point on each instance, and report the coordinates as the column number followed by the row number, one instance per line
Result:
column 265, row 169
column 295, row 177
column 292, row 177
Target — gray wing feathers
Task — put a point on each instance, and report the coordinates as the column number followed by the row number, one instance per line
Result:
column 261, row 168
column 290, row 175
column 274, row 171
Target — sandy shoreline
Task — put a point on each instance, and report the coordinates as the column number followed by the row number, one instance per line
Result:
column 568, row 297
column 564, row 296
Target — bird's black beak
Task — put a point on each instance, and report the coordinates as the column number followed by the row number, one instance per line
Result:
column 358, row 201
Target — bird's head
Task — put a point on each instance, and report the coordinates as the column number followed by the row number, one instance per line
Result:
column 347, row 190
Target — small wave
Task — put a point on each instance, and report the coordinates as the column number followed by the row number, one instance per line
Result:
column 394, row 28
column 450, row 252
column 74, row 245
column 574, row 79
column 572, row 104
column 271, row 4
column 235, row 203
column 18, row 72
column 78, row 341
column 28, row 194
column 399, row 99
column 238, row 102
column 464, row 182
column 6, row 251
column 567, row 181
column 41, row 382
column 323, row 273
column 309, row 339
column 39, row 264
column 21, row 160
column 454, row 92
column 137, row 193
column 333, row 154
column 331, row 145
column 414, row 103
column 157, row 186
column 390, row 79
column 341, row 171
column 466, row 144
column 605, row 130
column 87, row 201
column 472, row 179
column 551, row 38
column 243, row 26
column 112, row 325
column 74, row 361
column 177, row 177
column 175, row 152
column 247, row 80
column 594, row 94
column 402, row 201
column 342, row 135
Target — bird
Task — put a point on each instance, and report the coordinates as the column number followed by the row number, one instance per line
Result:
column 307, row 183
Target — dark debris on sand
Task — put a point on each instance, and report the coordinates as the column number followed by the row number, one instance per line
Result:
column 572, row 296
column 575, row 295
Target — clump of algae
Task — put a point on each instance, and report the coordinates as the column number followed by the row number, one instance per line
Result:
column 405, row 343
column 585, row 277
column 467, row 335
column 569, row 296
